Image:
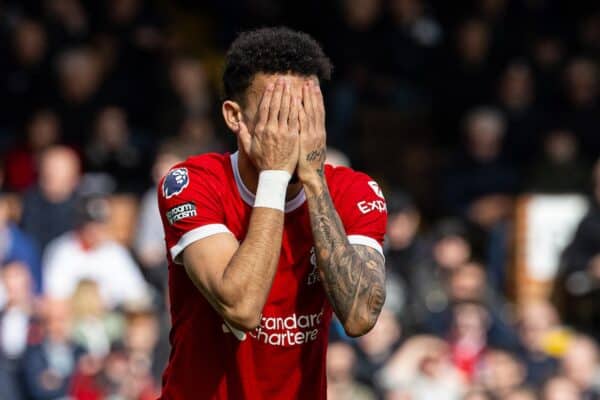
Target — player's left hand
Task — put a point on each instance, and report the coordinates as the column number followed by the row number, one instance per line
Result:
column 312, row 133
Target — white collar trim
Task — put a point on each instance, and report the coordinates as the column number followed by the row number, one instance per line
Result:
column 249, row 197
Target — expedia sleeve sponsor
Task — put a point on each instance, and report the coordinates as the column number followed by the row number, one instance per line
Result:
column 180, row 212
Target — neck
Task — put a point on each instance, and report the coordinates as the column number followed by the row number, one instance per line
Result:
column 249, row 176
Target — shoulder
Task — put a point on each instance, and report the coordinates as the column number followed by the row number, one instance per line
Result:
column 342, row 179
column 196, row 170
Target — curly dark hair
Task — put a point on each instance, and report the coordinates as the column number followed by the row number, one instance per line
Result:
column 271, row 51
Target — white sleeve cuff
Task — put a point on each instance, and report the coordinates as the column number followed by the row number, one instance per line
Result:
column 193, row 236
column 365, row 241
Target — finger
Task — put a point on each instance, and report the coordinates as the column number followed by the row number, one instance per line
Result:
column 245, row 137
column 263, row 108
column 307, row 99
column 276, row 102
column 284, row 110
column 293, row 121
column 318, row 102
column 302, row 119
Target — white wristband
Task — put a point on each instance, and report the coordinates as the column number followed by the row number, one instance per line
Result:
column 271, row 189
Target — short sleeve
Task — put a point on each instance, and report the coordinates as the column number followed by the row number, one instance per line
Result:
column 190, row 207
column 361, row 206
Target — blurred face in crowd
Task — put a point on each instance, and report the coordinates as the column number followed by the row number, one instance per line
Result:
column 43, row 130
column 57, row 320
column 163, row 162
column 340, row 362
column 485, row 131
column 502, row 372
column 80, row 74
column 520, row 394
column 561, row 146
column 560, row 388
column 86, row 301
column 111, row 128
column 385, row 333
column 402, row 228
column 189, row 80
column 124, row 11
column 406, row 11
column 516, row 86
column 17, row 284
column 467, row 283
column 198, row 131
column 141, row 333
column 470, row 323
column 450, row 252
column 580, row 361
column 582, row 81
column 30, row 42
column 58, row 173
column 4, row 211
column 548, row 52
column 477, row 395
column 361, row 14
column 536, row 320
column 473, row 41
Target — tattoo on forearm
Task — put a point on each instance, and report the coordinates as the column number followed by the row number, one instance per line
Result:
column 353, row 276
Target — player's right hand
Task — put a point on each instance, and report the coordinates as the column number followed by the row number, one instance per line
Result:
column 275, row 140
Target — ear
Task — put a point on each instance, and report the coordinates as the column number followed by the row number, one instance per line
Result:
column 232, row 114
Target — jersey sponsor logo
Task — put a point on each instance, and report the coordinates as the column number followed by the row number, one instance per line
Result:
column 181, row 211
column 375, row 187
column 366, row 207
column 175, row 181
column 283, row 331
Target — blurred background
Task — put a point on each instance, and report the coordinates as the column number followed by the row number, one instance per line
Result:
column 480, row 119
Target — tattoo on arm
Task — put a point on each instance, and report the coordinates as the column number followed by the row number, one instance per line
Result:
column 353, row 276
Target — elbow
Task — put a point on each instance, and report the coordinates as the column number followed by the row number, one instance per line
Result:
column 358, row 328
column 242, row 319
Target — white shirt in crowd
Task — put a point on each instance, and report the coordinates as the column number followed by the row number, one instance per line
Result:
column 66, row 262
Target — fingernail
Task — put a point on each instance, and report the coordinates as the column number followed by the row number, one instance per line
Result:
column 270, row 86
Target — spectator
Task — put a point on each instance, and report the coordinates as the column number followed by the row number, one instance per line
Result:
column 522, row 393
column 95, row 328
column 537, row 321
column 189, row 95
column 502, row 372
column 25, row 77
column 341, row 384
column 516, row 97
column 80, row 76
column 48, row 208
column 560, row 169
column 43, row 131
column 111, row 151
column 580, row 269
column 421, row 369
column 15, row 317
column 16, row 245
column 479, row 185
column 376, row 348
column 197, row 134
column 582, row 111
column 580, row 364
column 48, row 366
column 560, row 388
column 88, row 252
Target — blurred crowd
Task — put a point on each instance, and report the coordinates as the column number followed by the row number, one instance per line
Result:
column 457, row 108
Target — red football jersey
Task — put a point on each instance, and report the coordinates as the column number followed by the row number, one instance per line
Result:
column 284, row 358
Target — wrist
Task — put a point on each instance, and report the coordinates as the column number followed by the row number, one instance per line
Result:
column 271, row 189
column 312, row 181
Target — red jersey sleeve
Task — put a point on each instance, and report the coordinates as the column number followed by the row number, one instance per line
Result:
column 361, row 206
column 190, row 207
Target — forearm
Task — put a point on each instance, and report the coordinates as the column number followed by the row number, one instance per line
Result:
column 353, row 278
column 248, row 277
